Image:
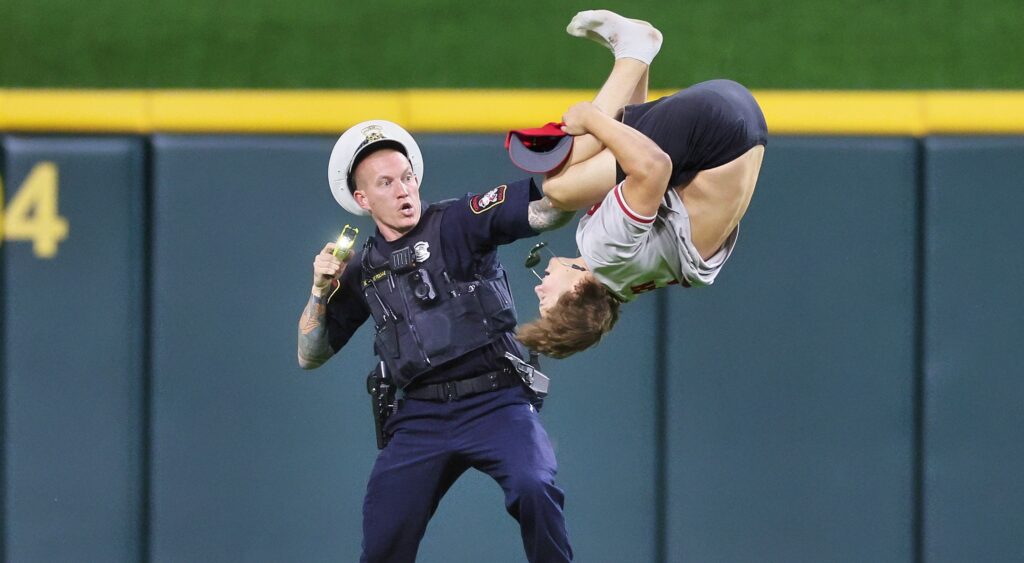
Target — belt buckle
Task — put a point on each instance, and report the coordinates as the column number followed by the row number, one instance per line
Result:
column 451, row 392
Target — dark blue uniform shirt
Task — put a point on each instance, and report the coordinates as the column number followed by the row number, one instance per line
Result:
column 472, row 228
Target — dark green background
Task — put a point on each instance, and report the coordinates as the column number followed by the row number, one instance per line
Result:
column 451, row 44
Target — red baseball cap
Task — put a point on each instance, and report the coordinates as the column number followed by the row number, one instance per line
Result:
column 539, row 150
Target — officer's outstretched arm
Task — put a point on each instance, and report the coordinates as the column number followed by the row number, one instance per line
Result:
column 314, row 348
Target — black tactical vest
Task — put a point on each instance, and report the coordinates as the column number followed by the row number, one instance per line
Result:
column 424, row 318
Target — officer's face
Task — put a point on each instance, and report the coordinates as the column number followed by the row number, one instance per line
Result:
column 559, row 277
column 387, row 187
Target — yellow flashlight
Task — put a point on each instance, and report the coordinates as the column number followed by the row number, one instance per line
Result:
column 346, row 240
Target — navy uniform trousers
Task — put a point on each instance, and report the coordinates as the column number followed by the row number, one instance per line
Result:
column 433, row 443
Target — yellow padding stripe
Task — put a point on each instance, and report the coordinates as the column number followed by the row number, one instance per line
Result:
column 844, row 113
column 488, row 110
column 270, row 111
column 462, row 111
column 63, row 110
column 974, row 112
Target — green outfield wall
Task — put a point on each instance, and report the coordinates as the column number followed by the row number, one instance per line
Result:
column 849, row 389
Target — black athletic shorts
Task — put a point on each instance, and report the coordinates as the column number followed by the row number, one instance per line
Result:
column 701, row 127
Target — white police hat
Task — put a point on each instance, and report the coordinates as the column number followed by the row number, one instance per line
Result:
column 356, row 143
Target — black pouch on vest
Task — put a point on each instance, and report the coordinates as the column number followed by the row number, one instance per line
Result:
column 455, row 328
column 496, row 301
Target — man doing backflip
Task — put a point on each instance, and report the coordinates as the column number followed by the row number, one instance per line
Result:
column 665, row 184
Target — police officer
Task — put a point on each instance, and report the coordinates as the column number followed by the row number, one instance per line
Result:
column 444, row 319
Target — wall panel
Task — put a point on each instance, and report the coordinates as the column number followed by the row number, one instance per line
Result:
column 73, row 336
column 791, row 379
column 975, row 316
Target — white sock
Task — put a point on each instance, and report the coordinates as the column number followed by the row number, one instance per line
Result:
column 626, row 38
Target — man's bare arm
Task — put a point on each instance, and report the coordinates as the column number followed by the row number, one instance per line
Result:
column 544, row 217
column 314, row 348
column 647, row 167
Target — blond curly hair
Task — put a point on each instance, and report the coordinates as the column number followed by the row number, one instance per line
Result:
column 577, row 321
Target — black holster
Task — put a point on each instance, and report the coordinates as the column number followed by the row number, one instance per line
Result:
column 383, row 401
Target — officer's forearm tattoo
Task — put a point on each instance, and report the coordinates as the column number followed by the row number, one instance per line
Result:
column 314, row 349
column 312, row 316
column 544, row 217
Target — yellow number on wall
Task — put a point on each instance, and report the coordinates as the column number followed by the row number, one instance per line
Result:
column 32, row 213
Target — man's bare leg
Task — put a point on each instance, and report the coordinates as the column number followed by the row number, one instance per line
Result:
column 612, row 99
column 585, row 178
column 634, row 43
column 716, row 199
column 625, row 82
column 627, row 39
column 640, row 92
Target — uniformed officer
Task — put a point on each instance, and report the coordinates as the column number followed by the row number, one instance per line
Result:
column 444, row 320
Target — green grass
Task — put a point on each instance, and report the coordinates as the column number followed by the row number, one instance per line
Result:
column 452, row 44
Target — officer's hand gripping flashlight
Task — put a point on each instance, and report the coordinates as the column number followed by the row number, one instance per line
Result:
column 346, row 240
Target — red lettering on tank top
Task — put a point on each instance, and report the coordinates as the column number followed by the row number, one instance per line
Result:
column 644, row 287
column 651, row 286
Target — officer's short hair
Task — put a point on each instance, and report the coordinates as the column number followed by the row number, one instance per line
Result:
column 373, row 148
column 577, row 321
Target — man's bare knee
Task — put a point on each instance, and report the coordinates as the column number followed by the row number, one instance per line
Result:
column 558, row 192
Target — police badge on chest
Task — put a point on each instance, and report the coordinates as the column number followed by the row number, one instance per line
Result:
column 421, row 251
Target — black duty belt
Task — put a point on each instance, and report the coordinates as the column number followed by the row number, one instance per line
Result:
column 462, row 388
